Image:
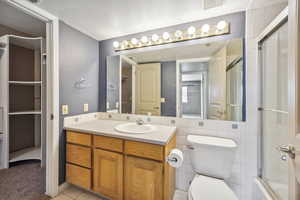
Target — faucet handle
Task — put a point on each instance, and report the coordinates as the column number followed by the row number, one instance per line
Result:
column 139, row 122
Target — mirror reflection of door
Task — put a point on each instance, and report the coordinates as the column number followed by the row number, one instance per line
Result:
column 217, row 86
column 148, row 89
column 126, row 84
column 192, row 88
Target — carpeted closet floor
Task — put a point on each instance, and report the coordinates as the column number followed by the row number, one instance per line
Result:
column 23, row 181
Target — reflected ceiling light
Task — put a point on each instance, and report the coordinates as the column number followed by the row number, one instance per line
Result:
column 155, row 37
column 134, row 41
column 191, row 30
column 205, row 28
column 178, row 34
column 166, row 36
column 144, row 39
column 116, row 44
column 221, row 25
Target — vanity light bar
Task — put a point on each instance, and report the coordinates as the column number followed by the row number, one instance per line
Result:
column 221, row 28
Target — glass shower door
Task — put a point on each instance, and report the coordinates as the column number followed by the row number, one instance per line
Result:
column 274, row 59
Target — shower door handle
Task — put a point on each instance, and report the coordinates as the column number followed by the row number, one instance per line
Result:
column 288, row 149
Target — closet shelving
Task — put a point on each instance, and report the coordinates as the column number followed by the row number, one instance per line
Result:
column 23, row 109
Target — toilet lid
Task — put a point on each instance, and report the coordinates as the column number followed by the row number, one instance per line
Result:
column 207, row 188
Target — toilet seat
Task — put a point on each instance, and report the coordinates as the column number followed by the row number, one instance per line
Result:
column 207, row 188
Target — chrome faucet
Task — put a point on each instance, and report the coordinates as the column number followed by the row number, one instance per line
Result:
column 139, row 122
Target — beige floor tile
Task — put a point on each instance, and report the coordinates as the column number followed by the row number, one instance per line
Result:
column 88, row 196
column 62, row 197
column 72, row 192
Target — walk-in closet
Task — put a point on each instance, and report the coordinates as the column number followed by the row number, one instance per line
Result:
column 22, row 80
column 23, row 87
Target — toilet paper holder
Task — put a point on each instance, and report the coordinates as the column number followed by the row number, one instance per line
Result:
column 172, row 159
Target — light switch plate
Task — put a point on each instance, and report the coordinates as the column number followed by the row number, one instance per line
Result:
column 85, row 107
column 65, row 109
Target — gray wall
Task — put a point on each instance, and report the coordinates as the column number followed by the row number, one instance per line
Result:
column 237, row 30
column 168, row 88
column 79, row 57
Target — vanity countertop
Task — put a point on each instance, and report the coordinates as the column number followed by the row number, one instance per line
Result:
column 161, row 135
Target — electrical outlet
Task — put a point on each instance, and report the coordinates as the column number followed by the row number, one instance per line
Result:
column 65, row 109
column 117, row 104
column 85, row 107
column 163, row 100
column 107, row 105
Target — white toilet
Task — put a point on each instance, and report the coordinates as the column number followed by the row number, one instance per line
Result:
column 212, row 160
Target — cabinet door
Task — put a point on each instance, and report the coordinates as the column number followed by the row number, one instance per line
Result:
column 143, row 179
column 108, row 174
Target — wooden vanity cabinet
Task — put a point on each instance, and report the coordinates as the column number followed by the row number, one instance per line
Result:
column 108, row 174
column 143, row 179
column 120, row 169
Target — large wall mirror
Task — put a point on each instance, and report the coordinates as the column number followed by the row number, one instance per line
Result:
column 202, row 81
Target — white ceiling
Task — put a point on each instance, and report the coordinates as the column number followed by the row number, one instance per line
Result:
column 15, row 19
column 263, row 3
column 178, row 53
column 104, row 19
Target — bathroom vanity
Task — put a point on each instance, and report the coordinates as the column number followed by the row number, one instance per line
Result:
column 120, row 165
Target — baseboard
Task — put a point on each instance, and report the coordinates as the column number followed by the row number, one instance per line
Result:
column 63, row 186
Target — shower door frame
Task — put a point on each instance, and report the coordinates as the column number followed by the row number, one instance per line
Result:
column 275, row 25
column 291, row 13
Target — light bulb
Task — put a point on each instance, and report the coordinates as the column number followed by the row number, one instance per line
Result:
column 166, row 36
column 221, row 25
column 134, row 41
column 178, row 34
column 116, row 44
column 205, row 28
column 125, row 43
column 191, row 30
column 155, row 37
column 144, row 39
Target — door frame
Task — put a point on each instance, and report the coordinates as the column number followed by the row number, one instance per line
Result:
column 52, row 118
column 133, row 65
column 294, row 94
column 178, row 86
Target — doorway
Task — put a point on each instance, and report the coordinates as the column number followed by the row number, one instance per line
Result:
column 51, row 61
column 192, row 88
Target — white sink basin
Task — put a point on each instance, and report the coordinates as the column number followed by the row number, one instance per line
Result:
column 133, row 128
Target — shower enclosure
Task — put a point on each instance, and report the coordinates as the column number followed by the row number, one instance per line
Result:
column 274, row 110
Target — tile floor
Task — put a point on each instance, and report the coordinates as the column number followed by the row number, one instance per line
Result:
column 74, row 193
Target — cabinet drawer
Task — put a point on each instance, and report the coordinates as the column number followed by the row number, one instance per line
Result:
column 78, row 176
column 79, row 138
column 108, row 143
column 145, row 150
column 79, row 155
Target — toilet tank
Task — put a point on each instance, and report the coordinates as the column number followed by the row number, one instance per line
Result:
column 212, row 156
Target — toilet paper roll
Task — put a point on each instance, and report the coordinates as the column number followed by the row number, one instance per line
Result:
column 175, row 158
